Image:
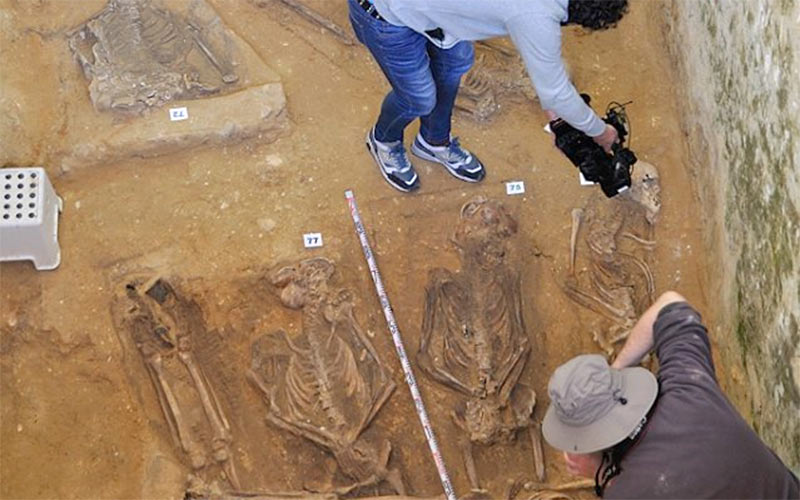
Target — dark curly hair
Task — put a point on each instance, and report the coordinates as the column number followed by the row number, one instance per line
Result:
column 596, row 14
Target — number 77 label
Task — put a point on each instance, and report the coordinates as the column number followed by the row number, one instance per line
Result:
column 312, row 240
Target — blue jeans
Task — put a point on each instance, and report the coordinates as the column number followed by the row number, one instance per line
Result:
column 424, row 78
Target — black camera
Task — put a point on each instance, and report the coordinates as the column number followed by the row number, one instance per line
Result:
column 611, row 171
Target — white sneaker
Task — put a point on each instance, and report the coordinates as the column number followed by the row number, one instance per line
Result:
column 393, row 163
column 458, row 161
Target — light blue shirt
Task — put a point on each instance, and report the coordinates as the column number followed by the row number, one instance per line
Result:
column 533, row 25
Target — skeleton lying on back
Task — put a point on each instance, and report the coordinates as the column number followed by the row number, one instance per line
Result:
column 138, row 56
column 474, row 338
column 164, row 325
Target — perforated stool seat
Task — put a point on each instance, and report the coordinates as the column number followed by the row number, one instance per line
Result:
column 29, row 209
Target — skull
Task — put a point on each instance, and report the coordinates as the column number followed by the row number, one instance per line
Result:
column 646, row 189
column 483, row 230
column 299, row 283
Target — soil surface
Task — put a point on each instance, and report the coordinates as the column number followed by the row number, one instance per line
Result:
column 79, row 416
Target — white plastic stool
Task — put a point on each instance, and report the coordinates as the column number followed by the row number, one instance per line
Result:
column 29, row 209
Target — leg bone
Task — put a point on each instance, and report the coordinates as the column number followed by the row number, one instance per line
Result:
column 391, row 476
column 222, row 455
column 535, row 431
column 225, row 69
column 196, row 456
column 648, row 275
column 469, row 464
column 213, row 414
column 577, row 216
column 162, row 402
column 319, row 20
column 222, row 436
column 593, row 303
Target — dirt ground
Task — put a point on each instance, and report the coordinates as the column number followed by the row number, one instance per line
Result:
column 79, row 417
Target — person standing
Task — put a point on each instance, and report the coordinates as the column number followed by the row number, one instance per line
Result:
column 671, row 436
column 424, row 47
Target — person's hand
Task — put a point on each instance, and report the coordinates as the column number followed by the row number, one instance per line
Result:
column 607, row 138
column 583, row 464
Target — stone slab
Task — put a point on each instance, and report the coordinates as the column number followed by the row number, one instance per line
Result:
column 253, row 112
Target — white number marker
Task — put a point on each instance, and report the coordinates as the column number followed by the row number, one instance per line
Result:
column 583, row 180
column 178, row 114
column 312, row 240
column 515, row 187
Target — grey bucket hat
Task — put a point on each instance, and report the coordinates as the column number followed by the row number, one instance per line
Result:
column 593, row 406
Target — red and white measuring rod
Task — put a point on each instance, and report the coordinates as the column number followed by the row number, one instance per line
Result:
column 398, row 345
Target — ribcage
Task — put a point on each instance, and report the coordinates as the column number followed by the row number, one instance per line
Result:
column 118, row 33
column 165, row 39
column 323, row 386
column 135, row 33
column 474, row 334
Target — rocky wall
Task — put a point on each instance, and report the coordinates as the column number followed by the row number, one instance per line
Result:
column 739, row 67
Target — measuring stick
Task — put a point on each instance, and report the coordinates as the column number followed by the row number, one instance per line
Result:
column 398, row 345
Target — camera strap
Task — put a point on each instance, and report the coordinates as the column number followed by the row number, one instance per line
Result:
column 611, row 463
